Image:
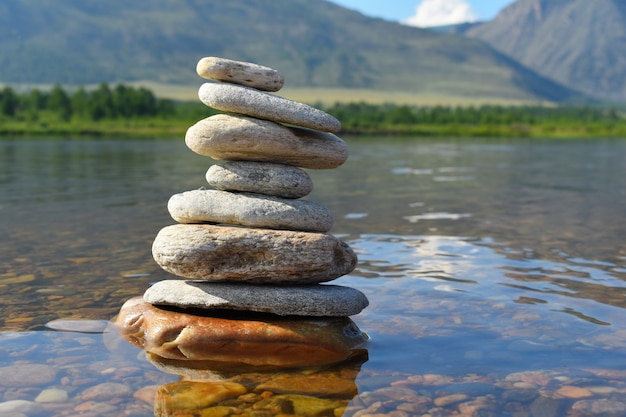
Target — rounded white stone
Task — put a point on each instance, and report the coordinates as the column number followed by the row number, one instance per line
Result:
column 14, row 407
column 52, row 395
column 255, row 103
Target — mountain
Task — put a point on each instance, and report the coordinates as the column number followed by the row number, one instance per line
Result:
column 314, row 43
column 459, row 28
column 578, row 43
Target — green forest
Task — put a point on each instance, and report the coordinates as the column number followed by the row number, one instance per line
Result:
column 136, row 111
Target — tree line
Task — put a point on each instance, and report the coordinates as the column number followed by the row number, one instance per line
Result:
column 103, row 102
column 364, row 116
column 81, row 109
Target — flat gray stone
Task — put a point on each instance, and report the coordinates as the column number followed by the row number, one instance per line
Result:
column 260, row 177
column 255, row 103
column 247, row 209
column 225, row 253
column 294, row 300
column 239, row 72
column 241, row 138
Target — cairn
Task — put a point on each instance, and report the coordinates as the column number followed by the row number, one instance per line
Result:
column 253, row 252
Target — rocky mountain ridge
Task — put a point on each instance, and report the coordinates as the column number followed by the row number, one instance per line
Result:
column 578, row 43
column 313, row 43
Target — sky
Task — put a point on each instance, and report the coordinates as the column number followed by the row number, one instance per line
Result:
column 425, row 13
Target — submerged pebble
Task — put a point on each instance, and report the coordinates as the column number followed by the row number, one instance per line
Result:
column 52, row 395
column 20, row 407
column 27, row 375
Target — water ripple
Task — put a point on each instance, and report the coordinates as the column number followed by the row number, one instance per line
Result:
column 594, row 292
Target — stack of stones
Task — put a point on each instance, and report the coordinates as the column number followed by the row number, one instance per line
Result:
column 252, row 244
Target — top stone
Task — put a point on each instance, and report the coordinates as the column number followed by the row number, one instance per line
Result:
column 242, row 73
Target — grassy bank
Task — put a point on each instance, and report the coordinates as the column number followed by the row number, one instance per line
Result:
column 126, row 111
column 177, row 129
column 107, row 128
column 587, row 130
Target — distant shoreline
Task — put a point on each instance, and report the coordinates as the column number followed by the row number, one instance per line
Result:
column 128, row 111
column 146, row 129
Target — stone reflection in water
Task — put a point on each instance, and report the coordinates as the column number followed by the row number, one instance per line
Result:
column 208, row 389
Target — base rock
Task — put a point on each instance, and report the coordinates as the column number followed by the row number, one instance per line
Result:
column 257, row 341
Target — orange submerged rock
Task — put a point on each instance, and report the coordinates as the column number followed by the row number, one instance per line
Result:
column 261, row 341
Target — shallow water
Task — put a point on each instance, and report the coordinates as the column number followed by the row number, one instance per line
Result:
column 496, row 271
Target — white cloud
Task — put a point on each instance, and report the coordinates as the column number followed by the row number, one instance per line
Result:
column 441, row 12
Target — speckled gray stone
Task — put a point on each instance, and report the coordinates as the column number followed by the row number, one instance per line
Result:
column 262, row 105
column 239, row 72
column 260, row 177
column 236, row 137
column 247, row 209
column 300, row 300
column 264, row 256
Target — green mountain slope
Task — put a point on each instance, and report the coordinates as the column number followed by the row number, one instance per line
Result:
column 313, row 42
column 579, row 43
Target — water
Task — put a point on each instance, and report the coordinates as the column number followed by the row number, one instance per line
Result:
column 495, row 271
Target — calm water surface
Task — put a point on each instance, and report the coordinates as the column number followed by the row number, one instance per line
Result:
column 489, row 265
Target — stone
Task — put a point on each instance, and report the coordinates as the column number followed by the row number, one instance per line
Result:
column 17, row 407
column 52, row 395
column 300, row 300
column 274, row 342
column 247, row 209
column 479, row 407
column 146, row 394
column 27, row 375
column 96, row 409
column 195, row 370
column 226, row 253
column 251, row 102
column 79, row 326
column 337, row 380
column 318, row 384
column 604, row 407
column 450, row 399
column 176, row 397
column 308, row 406
column 239, row 72
column 277, row 180
column 569, row 391
column 106, row 391
column 538, row 378
column 395, row 393
column 241, row 138
column 546, row 407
